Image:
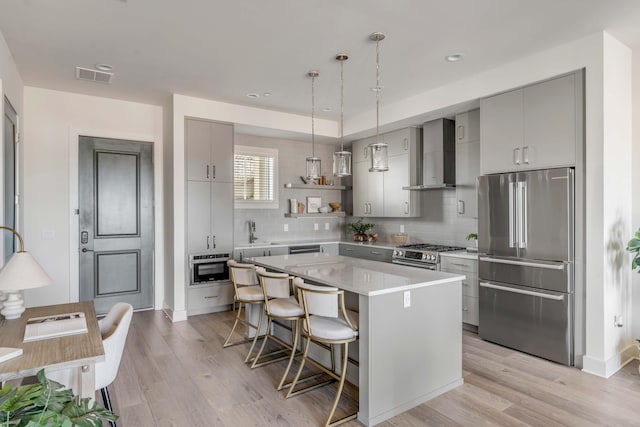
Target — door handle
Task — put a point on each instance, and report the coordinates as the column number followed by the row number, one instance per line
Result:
column 522, row 291
column 522, row 217
column 87, row 250
column 512, row 215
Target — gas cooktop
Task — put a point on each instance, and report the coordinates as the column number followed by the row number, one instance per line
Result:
column 431, row 247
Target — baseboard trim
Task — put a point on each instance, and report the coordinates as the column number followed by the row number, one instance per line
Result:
column 175, row 316
column 606, row 368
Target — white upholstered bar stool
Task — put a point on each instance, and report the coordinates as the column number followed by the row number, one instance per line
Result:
column 247, row 292
column 326, row 322
column 280, row 304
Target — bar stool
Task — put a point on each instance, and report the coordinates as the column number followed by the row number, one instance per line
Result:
column 280, row 304
column 247, row 292
column 326, row 322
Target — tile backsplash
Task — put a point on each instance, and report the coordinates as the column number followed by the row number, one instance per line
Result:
column 439, row 222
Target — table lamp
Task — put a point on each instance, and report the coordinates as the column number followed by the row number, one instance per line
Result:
column 22, row 271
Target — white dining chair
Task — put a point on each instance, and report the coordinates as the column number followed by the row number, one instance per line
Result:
column 114, row 328
column 326, row 321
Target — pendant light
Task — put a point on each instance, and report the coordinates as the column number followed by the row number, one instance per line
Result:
column 379, row 154
column 342, row 159
column 313, row 162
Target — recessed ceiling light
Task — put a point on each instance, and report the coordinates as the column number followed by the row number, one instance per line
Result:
column 266, row 94
column 454, row 57
column 103, row 67
column 253, row 95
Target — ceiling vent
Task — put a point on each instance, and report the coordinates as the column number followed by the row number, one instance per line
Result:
column 93, row 75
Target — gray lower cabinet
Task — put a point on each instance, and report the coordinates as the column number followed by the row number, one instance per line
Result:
column 470, row 294
column 330, row 248
column 209, row 298
column 366, row 252
column 242, row 254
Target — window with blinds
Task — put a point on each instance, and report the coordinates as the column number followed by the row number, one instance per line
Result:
column 254, row 177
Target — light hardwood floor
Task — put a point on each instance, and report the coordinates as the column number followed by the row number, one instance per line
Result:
column 179, row 375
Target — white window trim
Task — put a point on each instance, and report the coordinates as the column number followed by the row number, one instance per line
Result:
column 259, row 151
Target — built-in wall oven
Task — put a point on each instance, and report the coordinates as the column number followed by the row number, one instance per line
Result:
column 209, row 268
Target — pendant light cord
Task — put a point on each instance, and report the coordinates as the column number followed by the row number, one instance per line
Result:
column 342, row 106
column 313, row 109
column 377, row 88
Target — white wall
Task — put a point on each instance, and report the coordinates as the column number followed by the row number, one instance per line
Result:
column 53, row 122
column 635, row 184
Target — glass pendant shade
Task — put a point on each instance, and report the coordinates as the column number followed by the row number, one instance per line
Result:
column 341, row 159
column 341, row 163
column 379, row 154
column 379, row 157
column 313, row 167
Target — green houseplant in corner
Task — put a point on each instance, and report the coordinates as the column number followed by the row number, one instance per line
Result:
column 634, row 247
column 360, row 229
column 48, row 404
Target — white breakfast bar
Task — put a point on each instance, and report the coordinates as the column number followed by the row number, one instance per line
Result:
column 410, row 333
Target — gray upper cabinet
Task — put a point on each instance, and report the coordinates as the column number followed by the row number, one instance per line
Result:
column 209, row 148
column 532, row 128
column 209, row 151
column 380, row 194
column 467, row 163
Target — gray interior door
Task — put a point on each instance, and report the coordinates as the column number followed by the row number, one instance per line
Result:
column 116, row 222
column 9, row 143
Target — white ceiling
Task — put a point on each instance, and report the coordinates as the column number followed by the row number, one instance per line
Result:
column 224, row 49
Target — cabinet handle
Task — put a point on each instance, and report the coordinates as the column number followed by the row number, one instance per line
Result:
column 348, row 250
column 214, row 171
column 366, row 151
column 525, row 155
column 214, row 242
column 375, row 253
column 460, row 265
column 516, row 156
column 207, row 171
column 211, row 296
column 207, row 242
column 465, row 284
column 465, row 309
column 406, row 144
column 406, row 208
column 460, row 132
column 460, row 207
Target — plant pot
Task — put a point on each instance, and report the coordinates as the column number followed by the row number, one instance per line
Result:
column 360, row 237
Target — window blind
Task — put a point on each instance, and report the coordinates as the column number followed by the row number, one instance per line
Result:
column 253, row 177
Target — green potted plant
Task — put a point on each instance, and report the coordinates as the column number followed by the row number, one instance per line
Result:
column 48, row 404
column 474, row 237
column 360, row 228
column 634, row 248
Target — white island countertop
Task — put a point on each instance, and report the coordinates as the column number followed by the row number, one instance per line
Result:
column 355, row 275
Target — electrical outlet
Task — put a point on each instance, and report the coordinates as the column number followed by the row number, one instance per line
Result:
column 286, row 227
column 402, row 228
column 618, row 321
column 316, row 227
column 407, row 299
column 326, row 226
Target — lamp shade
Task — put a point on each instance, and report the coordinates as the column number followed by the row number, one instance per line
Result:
column 22, row 271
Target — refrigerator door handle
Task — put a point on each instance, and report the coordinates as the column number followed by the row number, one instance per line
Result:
column 512, row 214
column 554, row 266
column 522, row 291
column 522, row 214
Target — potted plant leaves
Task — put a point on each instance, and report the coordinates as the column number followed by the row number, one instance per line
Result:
column 634, row 248
column 360, row 228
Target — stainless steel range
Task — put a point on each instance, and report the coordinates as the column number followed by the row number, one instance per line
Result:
column 423, row 255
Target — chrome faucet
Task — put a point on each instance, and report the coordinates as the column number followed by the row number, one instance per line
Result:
column 252, row 231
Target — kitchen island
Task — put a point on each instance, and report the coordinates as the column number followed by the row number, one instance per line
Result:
column 410, row 336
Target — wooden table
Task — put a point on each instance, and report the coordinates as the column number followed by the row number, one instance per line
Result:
column 80, row 351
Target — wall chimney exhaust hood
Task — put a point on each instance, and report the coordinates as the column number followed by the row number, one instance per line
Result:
column 438, row 156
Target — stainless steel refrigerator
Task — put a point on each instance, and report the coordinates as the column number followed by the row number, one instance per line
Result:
column 526, row 261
